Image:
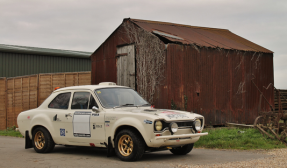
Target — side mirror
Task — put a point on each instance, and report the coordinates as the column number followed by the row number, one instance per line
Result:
column 95, row 109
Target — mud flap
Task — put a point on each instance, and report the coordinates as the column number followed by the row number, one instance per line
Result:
column 111, row 151
column 28, row 141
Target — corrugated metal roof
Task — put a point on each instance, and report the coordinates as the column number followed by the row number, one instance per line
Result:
column 201, row 36
column 43, row 51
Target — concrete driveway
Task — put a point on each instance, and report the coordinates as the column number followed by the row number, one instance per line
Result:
column 13, row 154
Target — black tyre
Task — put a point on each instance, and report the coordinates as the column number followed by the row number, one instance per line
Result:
column 129, row 145
column 42, row 140
column 183, row 150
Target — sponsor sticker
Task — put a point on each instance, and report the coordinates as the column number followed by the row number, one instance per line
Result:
column 171, row 114
column 107, row 124
column 111, row 118
column 62, row 132
column 147, row 121
column 98, row 126
column 99, row 92
column 81, row 135
column 95, row 115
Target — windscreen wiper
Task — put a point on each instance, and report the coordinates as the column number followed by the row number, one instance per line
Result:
column 125, row 105
column 145, row 104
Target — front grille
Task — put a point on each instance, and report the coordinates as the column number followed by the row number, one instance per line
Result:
column 184, row 124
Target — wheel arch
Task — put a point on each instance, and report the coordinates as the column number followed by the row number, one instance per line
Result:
column 122, row 127
column 37, row 126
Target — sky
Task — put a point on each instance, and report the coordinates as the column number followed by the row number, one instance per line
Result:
column 83, row 25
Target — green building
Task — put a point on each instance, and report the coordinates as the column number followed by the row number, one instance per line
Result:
column 20, row 60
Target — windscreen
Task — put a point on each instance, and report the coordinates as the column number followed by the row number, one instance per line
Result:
column 118, row 97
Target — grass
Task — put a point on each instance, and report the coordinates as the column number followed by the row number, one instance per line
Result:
column 11, row 132
column 235, row 138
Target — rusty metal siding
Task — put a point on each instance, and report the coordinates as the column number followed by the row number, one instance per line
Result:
column 201, row 36
column 216, row 82
column 212, row 79
column 104, row 58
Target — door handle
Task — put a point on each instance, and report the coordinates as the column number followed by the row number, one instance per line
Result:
column 68, row 115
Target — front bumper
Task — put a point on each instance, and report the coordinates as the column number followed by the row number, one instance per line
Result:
column 175, row 140
column 181, row 136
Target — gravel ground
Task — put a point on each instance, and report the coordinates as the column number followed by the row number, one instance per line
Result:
column 278, row 159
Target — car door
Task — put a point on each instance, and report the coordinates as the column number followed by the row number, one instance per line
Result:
column 58, row 110
column 84, row 125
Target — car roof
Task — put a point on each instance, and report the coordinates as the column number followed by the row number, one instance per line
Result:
column 89, row 87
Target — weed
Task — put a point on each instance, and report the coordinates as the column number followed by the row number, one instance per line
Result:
column 245, row 139
column 10, row 131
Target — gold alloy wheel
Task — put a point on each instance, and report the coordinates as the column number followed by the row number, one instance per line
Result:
column 125, row 145
column 39, row 140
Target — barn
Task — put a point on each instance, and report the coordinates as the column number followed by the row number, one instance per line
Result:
column 210, row 71
column 23, row 60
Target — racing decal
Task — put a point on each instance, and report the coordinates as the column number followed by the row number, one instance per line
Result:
column 62, row 132
column 81, row 124
column 147, row 121
column 99, row 92
column 107, row 124
column 171, row 114
column 98, row 126
column 82, row 113
column 107, row 121
column 111, row 118
column 96, row 114
column 81, row 135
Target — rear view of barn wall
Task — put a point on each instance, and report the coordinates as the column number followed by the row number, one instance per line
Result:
column 28, row 92
column 217, row 83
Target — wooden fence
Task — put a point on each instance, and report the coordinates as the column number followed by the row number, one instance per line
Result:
column 2, row 103
column 27, row 92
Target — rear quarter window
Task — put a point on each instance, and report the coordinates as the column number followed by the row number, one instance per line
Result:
column 61, row 101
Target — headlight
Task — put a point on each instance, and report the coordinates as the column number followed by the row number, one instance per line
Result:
column 158, row 125
column 197, row 125
column 173, row 127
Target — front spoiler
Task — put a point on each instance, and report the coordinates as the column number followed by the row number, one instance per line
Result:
column 181, row 136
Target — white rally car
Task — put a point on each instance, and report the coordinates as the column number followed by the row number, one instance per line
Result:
column 108, row 116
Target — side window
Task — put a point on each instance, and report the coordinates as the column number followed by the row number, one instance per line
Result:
column 92, row 102
column 80, row 100
column 61, row 101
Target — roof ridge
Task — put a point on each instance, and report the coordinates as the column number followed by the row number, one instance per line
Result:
column 175, row 24
column 31, row 48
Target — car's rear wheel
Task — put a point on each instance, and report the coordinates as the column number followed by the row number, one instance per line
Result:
column 182, row 150
column 42, row 140
column 129, row 145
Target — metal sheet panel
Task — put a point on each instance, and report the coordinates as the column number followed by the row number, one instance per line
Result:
column 17, row 64
column 104, row 68
column 201, row 36
column 218, row 85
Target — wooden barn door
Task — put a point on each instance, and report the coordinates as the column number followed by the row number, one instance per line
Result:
column 126, row 66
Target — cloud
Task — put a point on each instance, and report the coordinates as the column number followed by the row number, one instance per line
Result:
column 85, row 24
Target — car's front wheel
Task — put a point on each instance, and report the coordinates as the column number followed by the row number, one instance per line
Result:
column 42, row 140
column 129, row 145
column 182, row 150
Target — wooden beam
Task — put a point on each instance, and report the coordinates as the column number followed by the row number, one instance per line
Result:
column 239, row 125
